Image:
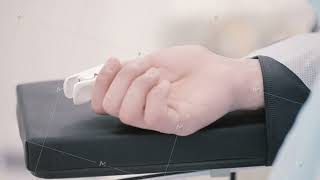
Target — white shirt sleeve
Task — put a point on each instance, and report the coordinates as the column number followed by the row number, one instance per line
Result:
column 301, row 54
column 298, row 157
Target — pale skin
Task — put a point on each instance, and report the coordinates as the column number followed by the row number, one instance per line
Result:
column 177, row 90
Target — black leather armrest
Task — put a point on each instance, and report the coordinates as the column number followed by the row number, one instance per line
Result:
column 63, row 140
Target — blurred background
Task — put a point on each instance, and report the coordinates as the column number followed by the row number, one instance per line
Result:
column 51, row 39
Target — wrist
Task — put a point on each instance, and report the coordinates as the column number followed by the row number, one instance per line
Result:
column 247, row 90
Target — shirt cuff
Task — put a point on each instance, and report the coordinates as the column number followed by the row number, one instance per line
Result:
column 284, row 94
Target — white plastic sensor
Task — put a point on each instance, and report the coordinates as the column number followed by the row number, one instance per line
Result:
column 79, row 86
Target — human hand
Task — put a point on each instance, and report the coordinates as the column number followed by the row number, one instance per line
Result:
column 177, row 90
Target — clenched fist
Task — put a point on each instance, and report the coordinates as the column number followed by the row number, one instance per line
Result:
column 178, row 90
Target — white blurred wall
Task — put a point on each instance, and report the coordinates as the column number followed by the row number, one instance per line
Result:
column 51, row 39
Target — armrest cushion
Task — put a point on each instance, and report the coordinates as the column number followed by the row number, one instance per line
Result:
column 62, row 140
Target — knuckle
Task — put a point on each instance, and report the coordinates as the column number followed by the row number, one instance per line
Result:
column 125, row 118
column 155, row 93
column 145, row 80
column 129, row 70
column 151, row 121
column 129, row 116
column 110, row 67
column 147, row 77
column 105, row 72
column 109, row 108
column 142, row 80
column 108, row 70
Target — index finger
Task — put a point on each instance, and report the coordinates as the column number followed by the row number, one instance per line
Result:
column 103, row 81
